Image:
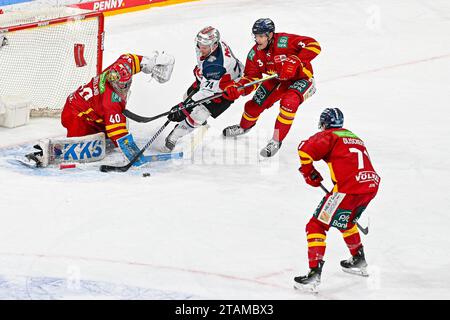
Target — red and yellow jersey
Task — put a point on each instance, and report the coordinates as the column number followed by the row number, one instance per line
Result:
column 347, row 157
column 98, row 104
column 283, row 45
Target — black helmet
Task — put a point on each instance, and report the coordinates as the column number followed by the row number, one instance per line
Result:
column 331, row 118
column 263, row 26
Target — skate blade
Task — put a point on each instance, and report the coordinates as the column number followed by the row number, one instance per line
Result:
column 359, row 272
column 310, row 288
column 164, row 149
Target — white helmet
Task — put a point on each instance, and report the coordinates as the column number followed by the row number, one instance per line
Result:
column 208, row 36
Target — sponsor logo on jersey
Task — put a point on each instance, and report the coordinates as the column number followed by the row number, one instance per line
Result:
column 216, row 75
column 345, row 133
column 279, row 58
column 367, row 176
column 324, row 217
column 340, row 219
column 115, row 97
column 260, row 95
column 251, row 55
column 102, row 81
column 212, row 58
column 282, row 42
column 300, row 85
column 95, row 85
column 330, row 207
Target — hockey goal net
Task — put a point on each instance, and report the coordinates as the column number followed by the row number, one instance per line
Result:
column 46, row 54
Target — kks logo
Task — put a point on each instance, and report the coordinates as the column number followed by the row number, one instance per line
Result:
column 79, row 151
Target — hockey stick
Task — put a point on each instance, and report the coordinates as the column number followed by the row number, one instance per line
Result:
column 365, row 230
column 133, row 116
column 107, row 168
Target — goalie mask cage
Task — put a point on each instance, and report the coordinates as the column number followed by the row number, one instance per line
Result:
column 47, row 54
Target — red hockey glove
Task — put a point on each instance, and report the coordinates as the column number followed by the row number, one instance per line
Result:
column 232, row 92
column 290, row 67
column 311, row 175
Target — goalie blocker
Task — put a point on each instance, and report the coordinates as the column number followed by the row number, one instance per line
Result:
column 85, row 149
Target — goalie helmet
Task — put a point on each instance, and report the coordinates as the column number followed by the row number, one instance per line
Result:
column 331, row 118
column 120, row 78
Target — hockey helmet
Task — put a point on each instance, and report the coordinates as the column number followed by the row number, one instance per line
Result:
column 208, row 36
column 120, row 77
column 331, row 118
column 263, row 26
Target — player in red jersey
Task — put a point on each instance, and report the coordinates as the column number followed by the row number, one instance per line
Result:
column 355, row 185
column 288, row 55
column 98, row 105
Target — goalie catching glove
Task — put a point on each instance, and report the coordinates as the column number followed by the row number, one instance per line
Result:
column 158, row 65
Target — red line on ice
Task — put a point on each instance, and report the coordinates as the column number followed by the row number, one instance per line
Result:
column 143, row 264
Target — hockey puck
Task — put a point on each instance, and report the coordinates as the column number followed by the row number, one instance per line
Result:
column 146, row 174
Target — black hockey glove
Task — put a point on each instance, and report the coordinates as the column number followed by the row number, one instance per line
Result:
column 177, row 115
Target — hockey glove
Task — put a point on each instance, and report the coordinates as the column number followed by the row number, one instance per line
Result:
column 159, row 65
column 177, row 115
column 311, row 175
column 290, row 67
column 130, row 149
column 232, row 92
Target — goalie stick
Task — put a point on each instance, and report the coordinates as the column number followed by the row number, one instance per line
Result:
column 365, row 230
column 133, row 116
column 108, row 168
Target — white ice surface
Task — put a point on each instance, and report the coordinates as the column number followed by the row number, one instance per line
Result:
column 224, row 225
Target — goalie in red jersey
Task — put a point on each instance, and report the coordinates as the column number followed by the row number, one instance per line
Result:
column 96, row 109
column 288, row 55
column 98, row 105
column 355, row 185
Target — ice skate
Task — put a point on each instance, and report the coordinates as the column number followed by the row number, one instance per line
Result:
column 311, row 281
column 271, row 149
column 356, row 264
column 234, row 131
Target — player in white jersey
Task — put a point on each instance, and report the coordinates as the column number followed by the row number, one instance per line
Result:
column 216, row 69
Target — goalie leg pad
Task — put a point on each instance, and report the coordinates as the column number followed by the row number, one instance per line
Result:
column 130, row 149
column 85, row 149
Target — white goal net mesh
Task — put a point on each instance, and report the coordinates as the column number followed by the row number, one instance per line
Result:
column 45, row 55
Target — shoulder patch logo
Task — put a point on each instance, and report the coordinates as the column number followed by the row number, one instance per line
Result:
column 251, row 55
column 101, row 84
column 282, row 42
column 115, row 97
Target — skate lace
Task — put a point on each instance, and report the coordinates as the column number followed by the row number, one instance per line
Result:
column 235, row 129
column 271, row 146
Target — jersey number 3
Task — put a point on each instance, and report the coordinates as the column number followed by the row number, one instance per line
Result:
column 86, row 93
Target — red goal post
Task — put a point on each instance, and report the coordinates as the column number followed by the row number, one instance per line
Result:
column 46, row 54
